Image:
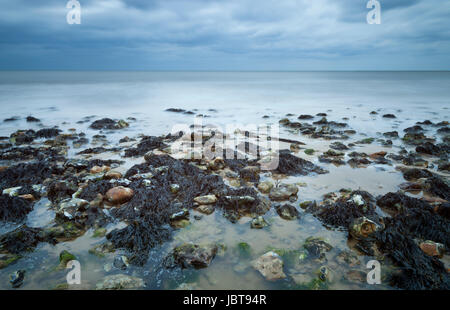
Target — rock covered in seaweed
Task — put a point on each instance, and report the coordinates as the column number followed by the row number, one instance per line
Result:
column 191, row 255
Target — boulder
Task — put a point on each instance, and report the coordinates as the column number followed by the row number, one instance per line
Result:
column 119, row 195
column 283, row 191
column 205, row 200
column 270, row 265
column 189, row 255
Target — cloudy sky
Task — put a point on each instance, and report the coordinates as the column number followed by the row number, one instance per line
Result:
column 225, row 35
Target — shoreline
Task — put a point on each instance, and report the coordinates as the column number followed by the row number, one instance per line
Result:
column 161, row 202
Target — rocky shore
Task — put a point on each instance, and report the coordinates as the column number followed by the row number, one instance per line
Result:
column 134, row 195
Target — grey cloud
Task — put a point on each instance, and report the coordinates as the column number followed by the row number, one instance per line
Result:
column 217, row 34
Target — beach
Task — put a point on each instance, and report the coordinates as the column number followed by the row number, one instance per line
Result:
column 89, row 167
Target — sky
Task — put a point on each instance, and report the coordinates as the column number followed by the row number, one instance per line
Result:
column 225, row 35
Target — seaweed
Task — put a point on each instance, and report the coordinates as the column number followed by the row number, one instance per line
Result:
column 23, row 239
column 417, row 270
column 437, row 186
column 48, row 133
column 28, row 173
column 150, row 209
column 59, row 190
column 146, row 144
column 14, row 209
column 342, row 212
column 292, row 165
column 415, row 173
column 92, row 189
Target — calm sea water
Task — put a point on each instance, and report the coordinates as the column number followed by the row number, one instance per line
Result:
column 57, row 97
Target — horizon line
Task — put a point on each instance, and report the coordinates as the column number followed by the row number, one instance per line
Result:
column 281, row 71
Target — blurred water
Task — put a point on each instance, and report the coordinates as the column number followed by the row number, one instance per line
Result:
column 243, row 97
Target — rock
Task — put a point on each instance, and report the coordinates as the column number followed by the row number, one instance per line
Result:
column 71, row 206
column 391, row 134
column 12, row 191
column 206, row 200
column 8, row 259
column 258, row 223
column 270, row 266
column 389, row 116
column 284, row 121
column 65, row 257
column 283, row 192
column 99, row 232
column 98, row 169
column 119, row 195
column 250, row 173
column 428, row 148
column 338, row 146
column 305, row 116
column 365, row 141
column 287, row 212
column 416, row 138
column 120, row 281
column 265, row 187
column 101, row 250
column 11, row 119
column 181, row 215
column 205, row 209
column 16, row 278
column 244, row 250
column 174, row 188
column 317, row 247
column 322, row 121
column 432, row 248
column 121, row 262
column 107, row 123
column 411, row 174
column 243, row 201
column 31, row 119
column 216, row 164
column 324, row 274
column 112, row 174
column 378, row 155
column 414, row 129
column 349, row 258
column 28, row 197
column 362, row 228
column 308, row 205
column 309, row 151
column 190, row 255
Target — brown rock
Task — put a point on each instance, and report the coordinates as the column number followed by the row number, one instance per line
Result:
column 362, row 227
column 98, row 169
column 378, row 155
column 112, row 175
column 28, row 197
column 2, row 168
column 432, row 248
column 118, row 195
